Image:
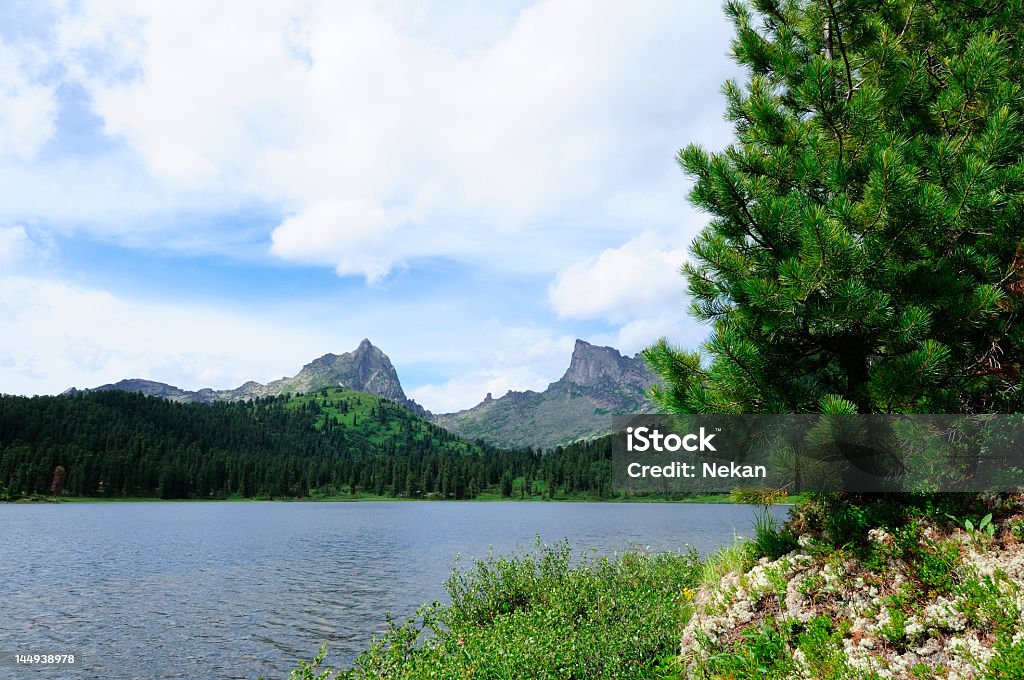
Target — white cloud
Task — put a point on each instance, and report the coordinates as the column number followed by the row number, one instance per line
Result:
column 641, row 333
column 639, row 278
column 514, row 358
column 14, row 244
column 330, row 232
column 382, row 142
column 111, row 197
column 19, row 249
column 531, row 140
column 469, row 390
column 58, row 335
column 28, row 108
column 637, row 288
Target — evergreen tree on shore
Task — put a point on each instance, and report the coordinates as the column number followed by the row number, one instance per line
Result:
column 865, row 252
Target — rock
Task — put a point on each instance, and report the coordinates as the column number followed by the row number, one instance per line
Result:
column 598, row 384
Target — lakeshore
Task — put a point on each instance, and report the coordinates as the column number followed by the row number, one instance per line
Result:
column 242, row 589
column 705, row 499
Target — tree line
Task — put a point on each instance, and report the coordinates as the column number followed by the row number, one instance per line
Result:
column 332, row 443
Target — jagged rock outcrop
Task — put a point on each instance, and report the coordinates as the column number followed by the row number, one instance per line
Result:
column 599, row 383
column 366, row 369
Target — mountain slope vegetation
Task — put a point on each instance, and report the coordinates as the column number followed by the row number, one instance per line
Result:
column 329, row 443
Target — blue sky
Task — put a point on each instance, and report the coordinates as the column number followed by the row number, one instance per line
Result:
column 203, row 194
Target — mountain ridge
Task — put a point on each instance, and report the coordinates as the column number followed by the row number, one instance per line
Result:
column 365, row 369
column 599, row 383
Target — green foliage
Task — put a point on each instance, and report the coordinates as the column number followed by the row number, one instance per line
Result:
column 311, row 670
column 990, row 603
column 769, row 540
column 1008, row 661
column 911, row 566
column 895, row 630
column 984, row 525
column 330, row 443
column 820, row 639
column 840, row 524
column 864, row 252
column 767, row 652
column 980, row 534
column 935, row 565
column 841, row 521
column 763, row 497
column 536, row 615
column 732, row 559
column 502, row 585
column 762, row 650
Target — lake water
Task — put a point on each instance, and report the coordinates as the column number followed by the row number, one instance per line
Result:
column 233, row 590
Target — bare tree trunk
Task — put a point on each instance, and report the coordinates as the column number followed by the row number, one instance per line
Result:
column 57, row 487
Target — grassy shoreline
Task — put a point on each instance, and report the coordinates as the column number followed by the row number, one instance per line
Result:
column 537, row 613
column 483, row 498
column 877, row 590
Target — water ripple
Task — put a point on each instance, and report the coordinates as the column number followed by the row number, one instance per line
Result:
column 233, row 590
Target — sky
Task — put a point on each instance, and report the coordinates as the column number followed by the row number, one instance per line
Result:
column 208, row 193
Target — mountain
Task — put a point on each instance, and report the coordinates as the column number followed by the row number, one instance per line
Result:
column 599, row 383
column 366, row 369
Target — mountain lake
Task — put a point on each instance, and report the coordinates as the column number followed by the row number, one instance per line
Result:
column 239, row 589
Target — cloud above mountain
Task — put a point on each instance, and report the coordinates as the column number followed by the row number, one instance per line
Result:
column 463, row 166
column 380, row 141
column 621, row 284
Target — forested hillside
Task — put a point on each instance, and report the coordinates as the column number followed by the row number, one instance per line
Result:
column 331, row 443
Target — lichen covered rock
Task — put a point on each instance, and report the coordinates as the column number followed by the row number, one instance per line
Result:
column 919, row 602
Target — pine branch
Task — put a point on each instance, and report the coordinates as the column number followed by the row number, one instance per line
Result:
column 842, row 50
column 751, row 228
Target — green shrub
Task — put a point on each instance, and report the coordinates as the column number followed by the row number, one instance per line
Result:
column 935, row 566
column 767, row 652
column 502, row 585
column 821, row 641
column 536, row 615
column 732, row 559
column 988, row 605
column 769, row 540
column 313, row 669
column 762, row 652
column 1008, row 661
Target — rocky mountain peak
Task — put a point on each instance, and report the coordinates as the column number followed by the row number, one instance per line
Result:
column 321, row 363
column 365, row 369
column 366, row 354
column 600, row 382
column 592, row 365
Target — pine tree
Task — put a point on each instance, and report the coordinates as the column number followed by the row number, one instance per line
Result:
column 865, row 252
column 506, row 484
